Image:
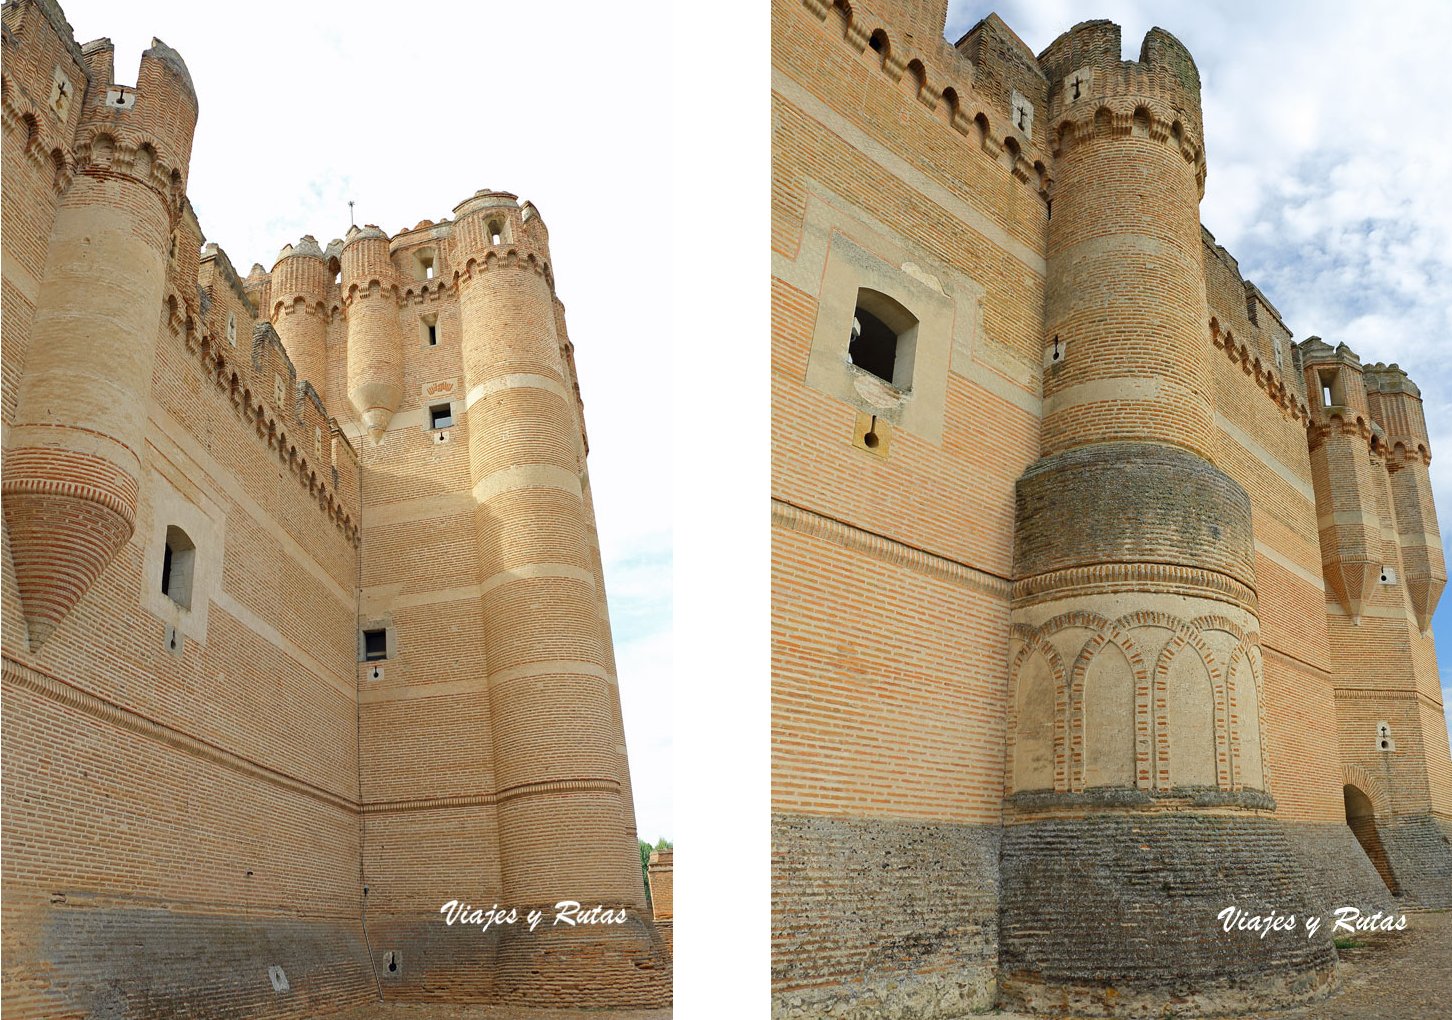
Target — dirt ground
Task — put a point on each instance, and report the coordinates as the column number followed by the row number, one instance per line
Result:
column 1407, row 976
column 391, row 1011
column 1401, row 976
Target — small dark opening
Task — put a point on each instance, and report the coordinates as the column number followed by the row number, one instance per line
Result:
column 878, row 42
column 871, row 440
column 874, row 347
column 433, row 334
column 375, row 645
column 441, row 416
column 392, row 965
column 177, row 558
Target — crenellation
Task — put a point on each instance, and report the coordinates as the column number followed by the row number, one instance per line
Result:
column 214, row 264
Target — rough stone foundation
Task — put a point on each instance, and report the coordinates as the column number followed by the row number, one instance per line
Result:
column 151, row 963
column 874, row 917
column 1420, row 852
column 1114, row 914
column 1338, row 872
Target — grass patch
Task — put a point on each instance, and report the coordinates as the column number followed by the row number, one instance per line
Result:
column 1345, row 942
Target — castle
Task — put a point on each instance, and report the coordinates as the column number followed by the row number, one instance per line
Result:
column 1099, row 605
column 305, row 630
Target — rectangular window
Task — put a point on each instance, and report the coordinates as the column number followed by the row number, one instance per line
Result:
column 441, row 416
column 177, row 559
column 433, row 334
column 375, row 645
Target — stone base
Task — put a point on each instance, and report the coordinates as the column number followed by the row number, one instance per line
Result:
column 1420, row 851
column 1338, row 872
column 1115, row 914
column 109, row 962
column 616, row 966
column 878, row 918
column 624, row 966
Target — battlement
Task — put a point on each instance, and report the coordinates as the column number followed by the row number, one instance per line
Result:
column 52, row 13
column 145, row 130
column 493, row 225
column 1092, row 93
column 215, row 263
column 1096, row 45
column 285, row 412
column 1396, row 404
column 1391, row 378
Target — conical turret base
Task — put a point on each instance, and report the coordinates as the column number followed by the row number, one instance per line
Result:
column 1425, row 593
column 1352, row 581
column 375, row 418
column 59, row 544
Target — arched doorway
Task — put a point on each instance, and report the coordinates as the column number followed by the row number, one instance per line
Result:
column 1360, row 817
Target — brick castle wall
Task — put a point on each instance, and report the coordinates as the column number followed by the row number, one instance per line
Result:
column 1036, row 218
column 214, row 773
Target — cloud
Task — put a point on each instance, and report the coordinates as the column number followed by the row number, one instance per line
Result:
column 646, row 687
column 638, row 585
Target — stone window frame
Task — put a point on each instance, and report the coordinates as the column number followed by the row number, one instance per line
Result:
column 385, row 624
column 168, row 508
column 178, row 565
column 428, row 412
column 914, row 404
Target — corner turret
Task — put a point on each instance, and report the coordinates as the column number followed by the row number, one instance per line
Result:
column 1341, row 440
column 1395, row 403
column 73, row 465
column 1159, row 540
column 375, row 344
column 299, row 308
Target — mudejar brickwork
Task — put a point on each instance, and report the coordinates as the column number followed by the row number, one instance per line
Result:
column 1099, row 605
column 305, row 630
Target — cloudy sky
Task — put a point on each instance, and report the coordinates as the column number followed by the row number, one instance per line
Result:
column 1329, row 164
column 410, row 111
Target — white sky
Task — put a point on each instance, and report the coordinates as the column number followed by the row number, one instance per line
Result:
column 408, row 111
column 1329, row 164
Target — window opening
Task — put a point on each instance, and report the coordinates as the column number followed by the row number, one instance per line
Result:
column 375, row 645
column 177, row 560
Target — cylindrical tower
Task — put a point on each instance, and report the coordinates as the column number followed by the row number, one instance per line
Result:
column 536, row 231
column 1136, row 805
column 561, row 810
column 299, row 310
column 73, row 461
column 375, row 344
